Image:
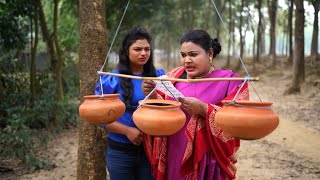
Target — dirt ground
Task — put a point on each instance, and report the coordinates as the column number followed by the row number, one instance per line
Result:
column 290, row 152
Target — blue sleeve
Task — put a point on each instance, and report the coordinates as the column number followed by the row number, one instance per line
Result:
column 160, row 72
column 109, row 84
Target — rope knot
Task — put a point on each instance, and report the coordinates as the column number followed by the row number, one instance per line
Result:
column 247, row 78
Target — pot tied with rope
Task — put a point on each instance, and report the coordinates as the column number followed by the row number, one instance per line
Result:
column 246, row 120
column 241, row 119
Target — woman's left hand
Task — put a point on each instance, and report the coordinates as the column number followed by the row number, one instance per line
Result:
column 193, row 106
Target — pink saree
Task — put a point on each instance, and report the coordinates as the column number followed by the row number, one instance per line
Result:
column 200, row 150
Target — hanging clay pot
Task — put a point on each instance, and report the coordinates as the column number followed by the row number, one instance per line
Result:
column 159, row 117
column 101, row 109
column 247, row 120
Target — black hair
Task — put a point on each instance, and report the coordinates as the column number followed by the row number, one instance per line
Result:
column 132, row 35
column 203, row 39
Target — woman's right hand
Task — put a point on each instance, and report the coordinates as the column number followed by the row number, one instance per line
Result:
column 135, row 136
column 147, row 87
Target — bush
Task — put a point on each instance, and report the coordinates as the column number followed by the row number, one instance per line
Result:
column 20, row 121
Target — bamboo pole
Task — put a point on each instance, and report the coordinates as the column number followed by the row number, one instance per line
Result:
column 180, row 80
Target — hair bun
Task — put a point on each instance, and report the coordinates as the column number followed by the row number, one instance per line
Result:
column 216, row 46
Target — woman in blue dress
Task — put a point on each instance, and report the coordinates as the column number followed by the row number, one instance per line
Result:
column 126, row 158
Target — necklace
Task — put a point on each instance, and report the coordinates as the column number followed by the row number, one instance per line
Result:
column 210, row 71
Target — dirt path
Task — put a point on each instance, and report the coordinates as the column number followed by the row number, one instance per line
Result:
column 290, row 152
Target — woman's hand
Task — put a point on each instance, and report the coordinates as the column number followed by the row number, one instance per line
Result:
column 193, row 106
column 147, row 87
column 135, row 136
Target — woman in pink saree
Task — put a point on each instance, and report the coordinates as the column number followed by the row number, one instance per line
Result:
column 200, row 150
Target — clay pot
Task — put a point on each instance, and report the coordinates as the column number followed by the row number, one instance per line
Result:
column 159, row 117
column 101, row 109
column 247, row 120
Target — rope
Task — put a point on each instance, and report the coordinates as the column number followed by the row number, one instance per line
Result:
column 233, row 44
column 244, row 82
column 124, row 12
column 147, row 96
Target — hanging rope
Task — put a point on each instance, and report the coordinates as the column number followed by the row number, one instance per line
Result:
column 233, row 44
column 124, row 12
column 147, row 97
column 247, row 79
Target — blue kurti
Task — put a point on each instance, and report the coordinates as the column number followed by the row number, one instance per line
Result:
column 111, row 85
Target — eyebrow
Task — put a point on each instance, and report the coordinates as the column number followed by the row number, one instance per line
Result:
column 192, row 51
column 141, row 46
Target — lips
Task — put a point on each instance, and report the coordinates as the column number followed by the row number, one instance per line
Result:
column 190, row 68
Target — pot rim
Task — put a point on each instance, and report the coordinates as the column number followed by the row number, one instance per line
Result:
column 248, row 103
column 172, row 104
column 101, row 96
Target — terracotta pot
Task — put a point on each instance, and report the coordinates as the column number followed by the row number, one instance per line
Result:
column 99, row 109
column 247, row 120
column 159, row 117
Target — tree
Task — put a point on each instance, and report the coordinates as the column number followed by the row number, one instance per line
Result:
column 230, row 27
column 290, row 17
column 60, row 59
column 272, row 9
column 15, row 17
column 259, row 33
column 53, row 46
column 34, row 45
column 241, row 41
column 92, row 52
column 298, row 57
column 315, row 34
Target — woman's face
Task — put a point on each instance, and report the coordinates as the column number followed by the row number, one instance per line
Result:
column 195, row 59
column 139, row 52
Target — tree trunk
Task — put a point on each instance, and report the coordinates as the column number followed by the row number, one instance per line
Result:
column 59, row 64
column 46, row 35
column 259, row 32
column 272, row 8
column 92, row 52
column 207, row 16
column 314, row 43
column 263, row 38
column 253, row 49
column 229, row 40
column 34, row 46
column 298, row 58
column 217, row 25
column 290, row 17
column 241, row 36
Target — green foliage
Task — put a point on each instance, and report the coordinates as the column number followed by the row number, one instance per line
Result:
column 14, row 23
column 16, row 137
column 20, row 122
column 68, row 26
column 138, row 13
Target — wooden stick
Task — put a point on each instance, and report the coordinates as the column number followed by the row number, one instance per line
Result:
column 179, row 80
